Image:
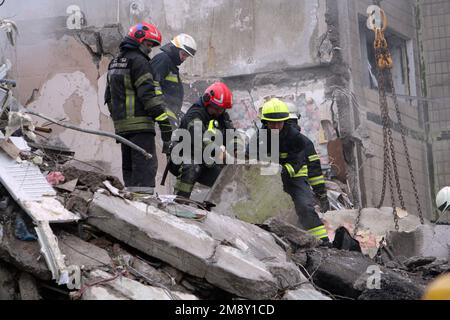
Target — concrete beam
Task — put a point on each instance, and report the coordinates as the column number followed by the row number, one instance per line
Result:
column 233, row 255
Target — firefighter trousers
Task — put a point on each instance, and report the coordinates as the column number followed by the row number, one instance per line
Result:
column 188, row 174
column 302, row 196
column 139, row 173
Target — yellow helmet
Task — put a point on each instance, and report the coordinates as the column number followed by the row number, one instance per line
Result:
column 275, row 110
column 439, row 289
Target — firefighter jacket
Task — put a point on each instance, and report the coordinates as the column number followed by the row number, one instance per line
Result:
column 198, row 113
column 165, row 71
column 315, row 176
column 291, row 150
column 134, row 99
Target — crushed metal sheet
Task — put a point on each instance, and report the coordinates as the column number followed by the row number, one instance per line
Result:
column 24, row 180
column 20, row 143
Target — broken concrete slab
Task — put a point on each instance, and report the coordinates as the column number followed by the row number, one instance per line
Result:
column 241, row 191
column 392, row 286
column 296, row 236
column 351, row 274
column 336, row 271
column 415, row 262
column 28, row 287
column 122, row 288
column 228, row 253
column 24, row 255
column 151, row 275
column 82, row 253
column 374, row 225
column 8, row 286
column 426, row 240
column 305, row 293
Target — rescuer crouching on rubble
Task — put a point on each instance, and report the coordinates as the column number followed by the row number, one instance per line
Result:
column 205, row 119
column 294, row 173
column 315, row 177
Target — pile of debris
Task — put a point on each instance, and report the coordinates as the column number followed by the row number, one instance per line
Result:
column 71, row 233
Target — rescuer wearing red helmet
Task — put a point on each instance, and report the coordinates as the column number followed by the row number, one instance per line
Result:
column 135, row 102
column 209, row 114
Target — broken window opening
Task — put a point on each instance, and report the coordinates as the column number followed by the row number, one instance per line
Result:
column 402, row 52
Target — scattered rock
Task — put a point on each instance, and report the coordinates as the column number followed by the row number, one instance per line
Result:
column 296, row 236
column 8, row 286
column 415, row 262
column 122, row 288
column 28, row 287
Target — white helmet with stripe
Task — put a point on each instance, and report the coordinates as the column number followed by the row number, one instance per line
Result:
column 443, row 199
column 185, row 42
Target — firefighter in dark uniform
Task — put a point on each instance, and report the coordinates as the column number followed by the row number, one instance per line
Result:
column 165, row 69
column 294, row 174
column 210, row 117
column 315, row 176
column 135, row 102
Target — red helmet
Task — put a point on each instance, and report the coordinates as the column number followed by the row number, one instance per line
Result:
column 218, row 94
column 145, row 31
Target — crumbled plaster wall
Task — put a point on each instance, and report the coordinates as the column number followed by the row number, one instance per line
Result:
column 60, row 72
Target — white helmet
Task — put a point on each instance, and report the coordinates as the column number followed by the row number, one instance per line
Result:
column 185, row 42
column 293, row 111
column 443, row 199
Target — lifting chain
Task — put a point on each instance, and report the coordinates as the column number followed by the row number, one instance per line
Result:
column 378, row 23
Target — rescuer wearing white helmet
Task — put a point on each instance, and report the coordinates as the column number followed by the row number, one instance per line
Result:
column 443, row 200
column 165, row 66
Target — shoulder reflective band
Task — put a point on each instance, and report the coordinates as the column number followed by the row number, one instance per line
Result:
column 284, row 155
column 141, row 79
column 314, row 157
column 316, row 180
column 162, row 117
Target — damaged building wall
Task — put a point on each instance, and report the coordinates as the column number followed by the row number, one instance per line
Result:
column 67, row 81
column 434, row 19
column 364, row 120
column 314, row 44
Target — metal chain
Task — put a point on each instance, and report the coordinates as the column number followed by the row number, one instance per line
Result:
column 389, row 149
column 405, row 146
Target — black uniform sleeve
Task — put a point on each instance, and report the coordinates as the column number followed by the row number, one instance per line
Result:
column 145, row 86
column 160, row 66
column 315, row 176
column 296, row 155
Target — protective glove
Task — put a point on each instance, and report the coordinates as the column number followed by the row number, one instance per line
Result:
column 323, row 202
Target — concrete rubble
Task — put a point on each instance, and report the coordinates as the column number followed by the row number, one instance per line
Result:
column 97, row 242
